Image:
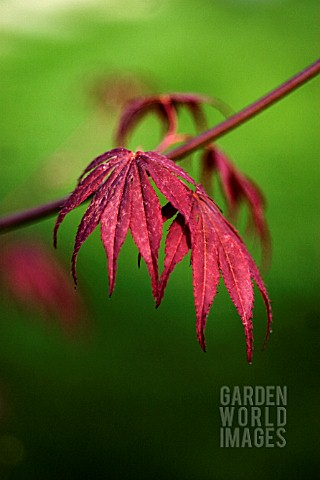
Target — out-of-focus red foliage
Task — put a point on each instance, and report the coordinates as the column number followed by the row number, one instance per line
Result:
column 114, row 90
column 166, row 108
column 237, row 189
column 34, row 278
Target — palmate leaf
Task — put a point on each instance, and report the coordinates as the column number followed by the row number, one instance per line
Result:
column 237, row 189
column 215, row 247
column 123, row 199
column 165, row 107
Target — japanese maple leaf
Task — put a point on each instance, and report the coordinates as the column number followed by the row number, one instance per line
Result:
column 215, row 248
column 124, row 199
column 237, row 188
column 166, row 106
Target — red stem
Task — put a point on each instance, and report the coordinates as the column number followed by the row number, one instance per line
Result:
column 244, row 115
column 38, row 213
column 18, row 219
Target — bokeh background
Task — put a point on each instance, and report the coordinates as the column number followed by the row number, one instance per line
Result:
column 133, row 395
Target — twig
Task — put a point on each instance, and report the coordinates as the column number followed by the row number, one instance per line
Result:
column 23, row 217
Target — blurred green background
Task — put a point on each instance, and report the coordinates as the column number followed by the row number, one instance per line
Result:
column 136, row 397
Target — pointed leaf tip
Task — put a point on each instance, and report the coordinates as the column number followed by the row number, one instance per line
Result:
column 200, row 335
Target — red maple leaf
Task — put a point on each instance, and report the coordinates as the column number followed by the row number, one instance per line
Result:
column 237, row 188
column 215, row 247
column 124, row 198
column 166, row 107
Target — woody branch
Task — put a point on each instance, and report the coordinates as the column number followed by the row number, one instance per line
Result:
column 17, row 219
